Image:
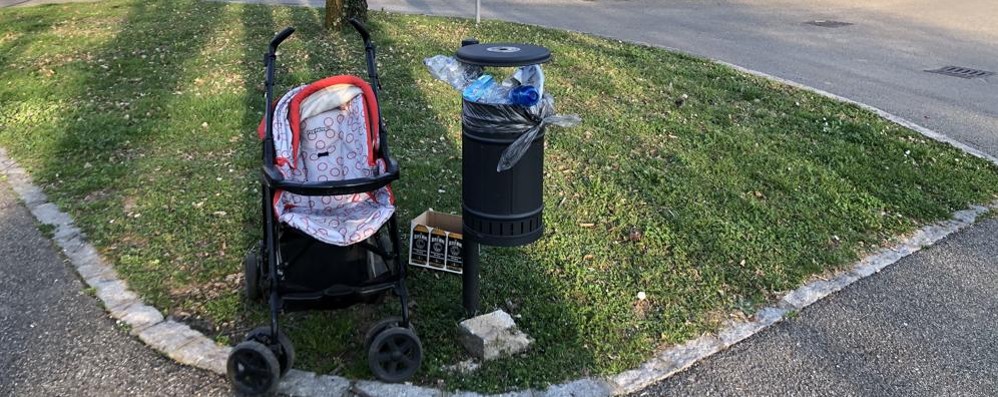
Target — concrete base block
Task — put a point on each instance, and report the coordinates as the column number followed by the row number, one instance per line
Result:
column 493, row 335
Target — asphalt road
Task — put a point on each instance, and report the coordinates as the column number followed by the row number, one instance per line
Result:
column 55, row 340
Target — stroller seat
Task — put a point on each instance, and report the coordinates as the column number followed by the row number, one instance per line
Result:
column 324, row 132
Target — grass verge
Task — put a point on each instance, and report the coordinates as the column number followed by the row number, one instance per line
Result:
column 708, row 190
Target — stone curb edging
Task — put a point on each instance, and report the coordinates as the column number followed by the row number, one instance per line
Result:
column 190, row 347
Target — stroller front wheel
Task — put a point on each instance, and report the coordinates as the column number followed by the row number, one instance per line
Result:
column 253, row 369
column 286, row 354
column 395, row 354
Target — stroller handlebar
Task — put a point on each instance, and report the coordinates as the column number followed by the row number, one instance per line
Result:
column 359, row 26
column 372, row 67
column 280, row 37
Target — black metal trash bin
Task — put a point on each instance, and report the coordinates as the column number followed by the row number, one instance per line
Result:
column 501, row 208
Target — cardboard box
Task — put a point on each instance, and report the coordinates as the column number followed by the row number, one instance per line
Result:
column 435, row 242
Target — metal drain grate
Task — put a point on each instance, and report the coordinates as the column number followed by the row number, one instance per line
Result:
column 827, row 24
column 959, row 71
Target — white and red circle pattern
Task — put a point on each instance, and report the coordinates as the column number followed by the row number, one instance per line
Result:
column 333, row 146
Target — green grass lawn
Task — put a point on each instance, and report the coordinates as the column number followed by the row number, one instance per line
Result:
column 138, row 118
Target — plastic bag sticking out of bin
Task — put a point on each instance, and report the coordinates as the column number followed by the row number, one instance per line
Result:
column 517, row 106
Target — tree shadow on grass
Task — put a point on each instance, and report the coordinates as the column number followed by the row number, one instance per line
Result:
column 26, row 25
column 113, row 157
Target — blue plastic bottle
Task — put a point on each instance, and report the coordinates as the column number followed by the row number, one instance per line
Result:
column 524, row 95
column 479, row 88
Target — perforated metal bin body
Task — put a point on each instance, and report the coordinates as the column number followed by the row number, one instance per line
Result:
column 501, row 208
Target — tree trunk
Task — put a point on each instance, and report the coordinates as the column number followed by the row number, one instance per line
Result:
column 338, row 11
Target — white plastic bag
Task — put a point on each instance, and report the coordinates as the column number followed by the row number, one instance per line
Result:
column 449, row 69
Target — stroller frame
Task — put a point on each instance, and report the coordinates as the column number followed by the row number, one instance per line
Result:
column 256, row 365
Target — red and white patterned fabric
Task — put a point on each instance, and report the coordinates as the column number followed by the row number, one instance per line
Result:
column 335, row 139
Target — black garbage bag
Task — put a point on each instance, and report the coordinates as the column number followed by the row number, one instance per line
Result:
column 524, row 121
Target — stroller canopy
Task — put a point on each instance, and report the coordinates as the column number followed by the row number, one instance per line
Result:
column 328, row 131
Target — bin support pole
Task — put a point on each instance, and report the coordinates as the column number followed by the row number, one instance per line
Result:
column 469, row 276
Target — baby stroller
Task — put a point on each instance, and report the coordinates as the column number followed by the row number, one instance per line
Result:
column 331, row 237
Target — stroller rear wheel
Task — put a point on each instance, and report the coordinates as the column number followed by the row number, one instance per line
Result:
column 286, row 355
column 253, row 369
column 395, row 354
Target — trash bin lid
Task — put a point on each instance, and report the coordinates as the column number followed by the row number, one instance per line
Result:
column 503, row 54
